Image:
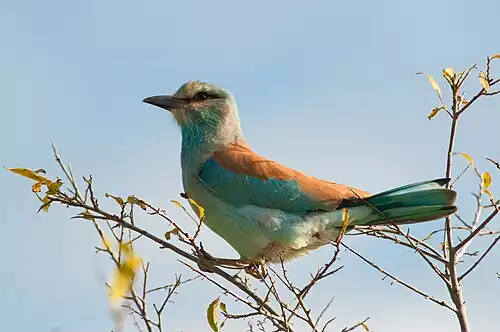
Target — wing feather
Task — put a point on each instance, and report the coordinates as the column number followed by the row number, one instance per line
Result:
column 242, row 177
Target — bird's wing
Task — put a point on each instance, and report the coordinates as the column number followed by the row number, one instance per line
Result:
column 242, row 177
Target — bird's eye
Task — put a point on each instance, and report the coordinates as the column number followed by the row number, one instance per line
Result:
column 200, row 96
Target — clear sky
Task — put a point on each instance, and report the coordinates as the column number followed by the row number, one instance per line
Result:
column 326, row 87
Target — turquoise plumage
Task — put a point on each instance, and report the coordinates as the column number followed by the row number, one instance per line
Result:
column 267, row 211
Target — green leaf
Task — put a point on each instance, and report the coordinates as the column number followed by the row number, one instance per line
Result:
column 223, row 307
column 117, row 199
column 213, row 315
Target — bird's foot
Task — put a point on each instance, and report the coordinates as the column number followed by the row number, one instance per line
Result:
column 258, row 270
column 206, row 260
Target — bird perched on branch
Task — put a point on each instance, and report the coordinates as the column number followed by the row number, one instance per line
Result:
column 267, row 211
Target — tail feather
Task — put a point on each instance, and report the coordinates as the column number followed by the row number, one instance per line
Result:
column 418, row 202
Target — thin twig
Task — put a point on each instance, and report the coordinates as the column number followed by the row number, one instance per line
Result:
column 412, row 288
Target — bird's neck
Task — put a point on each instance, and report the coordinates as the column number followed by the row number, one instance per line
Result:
column 199, row 143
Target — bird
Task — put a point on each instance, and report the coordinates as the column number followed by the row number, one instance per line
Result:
column 264, row 210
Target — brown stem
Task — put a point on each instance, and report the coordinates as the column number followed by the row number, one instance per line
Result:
column 454, row 286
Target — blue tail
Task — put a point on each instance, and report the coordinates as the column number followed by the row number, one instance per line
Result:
column 418, row 202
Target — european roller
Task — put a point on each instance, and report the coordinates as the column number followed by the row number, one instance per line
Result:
column 267, row 211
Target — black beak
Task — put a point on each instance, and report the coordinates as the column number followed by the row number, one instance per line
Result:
column 165, row 102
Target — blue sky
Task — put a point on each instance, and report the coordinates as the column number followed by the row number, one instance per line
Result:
column 326, row 87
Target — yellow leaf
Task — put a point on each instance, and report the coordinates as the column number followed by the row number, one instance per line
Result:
column 448, row 73
column 433, row 82
column 124, row 275
column 201, row 210
column 434, row 112
column 466, row 156
column 484, row 81
column 179, row 205
column 37, row 187
column 365, row 326
column 54, row 187
column 169, row 234
column 126, row 247
column 486, row 178
column 495, row 56
column 117, row 199
column 213, row 315
column 345, row 223
column 106, row 243
column 30, row 175
column 41, row 170
column 345, row 218
column 136, row 201
column 487, row 192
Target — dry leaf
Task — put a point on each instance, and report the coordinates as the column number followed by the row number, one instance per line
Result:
column 462, row 100
column 432, row 81
column 169, row 234
column 449, row 73
column 495, row 56
column 434, row 112
column 117, row 199
column 484, row 81
column 136, row 201
column 365, row 326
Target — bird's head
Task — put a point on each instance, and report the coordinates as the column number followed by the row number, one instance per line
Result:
column 199, row 104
